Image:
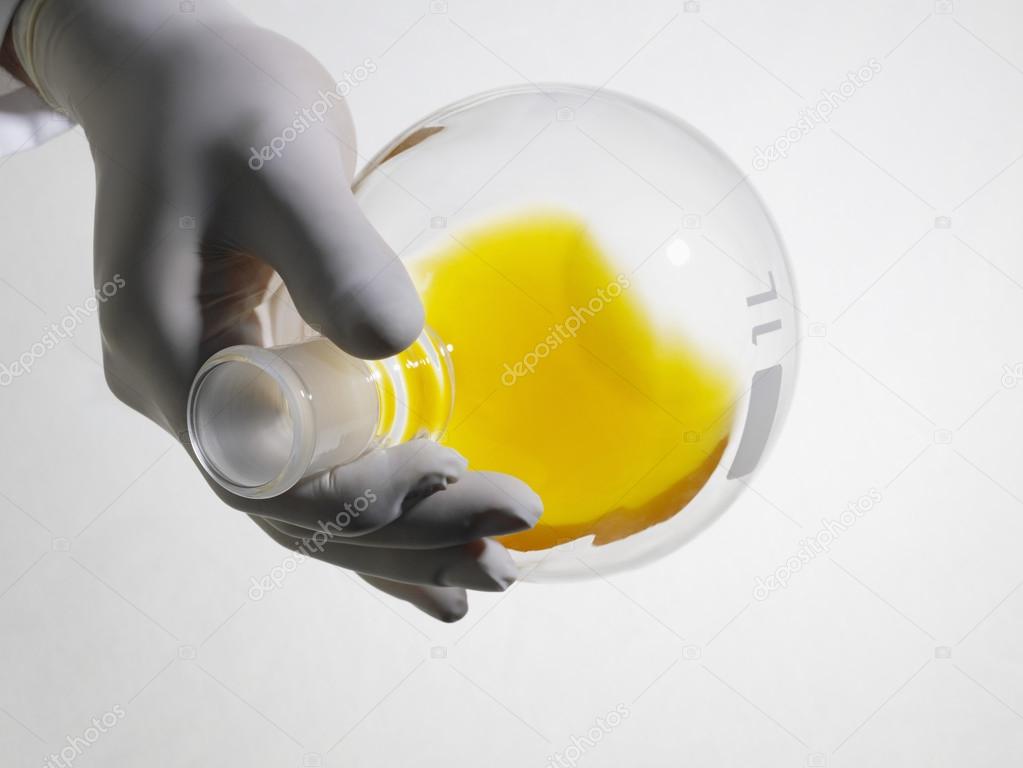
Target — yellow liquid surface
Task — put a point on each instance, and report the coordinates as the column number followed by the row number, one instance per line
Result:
column 562, row 380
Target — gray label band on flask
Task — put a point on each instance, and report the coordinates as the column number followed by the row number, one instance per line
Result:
column 763, row 407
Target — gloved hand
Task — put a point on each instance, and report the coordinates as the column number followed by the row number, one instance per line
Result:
column 173, row 104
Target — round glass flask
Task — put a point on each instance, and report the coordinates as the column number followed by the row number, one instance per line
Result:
column 615, row 306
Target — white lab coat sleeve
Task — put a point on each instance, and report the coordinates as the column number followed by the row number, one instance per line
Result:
column 25, row 119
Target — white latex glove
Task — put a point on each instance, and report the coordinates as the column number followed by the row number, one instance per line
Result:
column 172, row 104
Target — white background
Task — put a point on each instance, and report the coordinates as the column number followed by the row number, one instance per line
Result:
column 124, row 582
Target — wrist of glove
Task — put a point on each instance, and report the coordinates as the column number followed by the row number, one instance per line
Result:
column 66, row 47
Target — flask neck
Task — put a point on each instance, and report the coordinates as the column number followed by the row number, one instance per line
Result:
column 415, row 391
column 260, row 420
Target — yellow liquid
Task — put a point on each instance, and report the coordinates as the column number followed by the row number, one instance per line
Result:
column 562, row 380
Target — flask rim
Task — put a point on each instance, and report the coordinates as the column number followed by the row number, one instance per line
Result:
column 299, row 403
